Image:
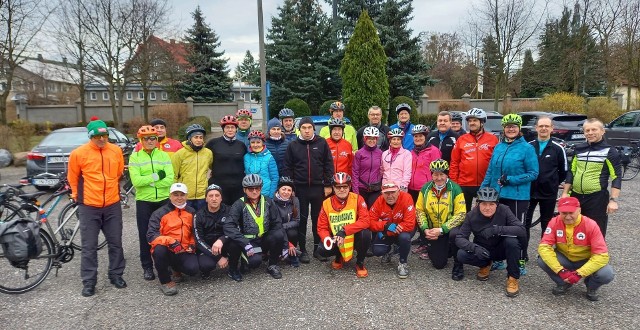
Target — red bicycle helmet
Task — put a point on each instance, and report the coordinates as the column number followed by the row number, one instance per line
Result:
column 244, row 113
column 228, row 120
column 256, row 135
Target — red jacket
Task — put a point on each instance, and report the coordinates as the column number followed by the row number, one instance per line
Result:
column 402, row 213
column 342, row 154
column 332, row 205
column 167, row 145
column 470, row 158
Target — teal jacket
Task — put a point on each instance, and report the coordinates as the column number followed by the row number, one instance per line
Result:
column 142, row 167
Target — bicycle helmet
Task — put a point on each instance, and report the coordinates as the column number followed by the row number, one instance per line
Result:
column 456, row 116
column 256, row 135
column 147, row 130
column 228, row 120
column 420, row 129
column 341, row 178
column 251, row 180
column 194, row 128
column 243, row 113
column 335, row 122
column 439, row 165
column 512, row 119
column 396, row 132
column 336, row 106
column 487, row 194
column 478, row 114
column 286, row 181
column 403, row 106
column 371, row 132
column 286, row 113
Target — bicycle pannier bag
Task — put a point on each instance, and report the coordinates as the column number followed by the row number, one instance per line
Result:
column 20, row 239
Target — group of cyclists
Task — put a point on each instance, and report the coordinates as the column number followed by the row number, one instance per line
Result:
column 245, row 197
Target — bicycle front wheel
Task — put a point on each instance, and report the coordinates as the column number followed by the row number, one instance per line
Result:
column 10, row 211
column 631, row 170
column 69, row 227
column 23, row 277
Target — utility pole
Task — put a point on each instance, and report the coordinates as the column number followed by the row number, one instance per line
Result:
column 263, row 71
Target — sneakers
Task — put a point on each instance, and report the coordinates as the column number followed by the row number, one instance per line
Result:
column 592, row 294
column 483, row 273
column 235, row 275
column 386, row 258
column 498, row 265
column 403, row 270
column 304, row 257
column 337, row 263
column 177, row 277
column 457, row 273
column 513, row 289
column 522, row 265
column 274, row 271
column 319, row 257
column 169, row 289
column 561, row 289
column 294, row 261
column 361, row 271
column 148, row 274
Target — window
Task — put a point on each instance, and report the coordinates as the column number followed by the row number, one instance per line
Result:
column 152, row 96
column 165, row 96
column 129, row 96
column 141, row 95
column 105, row 96
column 93, row 96
column 626, row 120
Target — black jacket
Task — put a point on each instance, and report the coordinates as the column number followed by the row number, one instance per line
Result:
column 208, row 228
column 552, row 165
column 309, row 162
column 445, row 145
column 383, row 141
column 240, row 222
column 286, row 210
column 228, row 161
column 475, row 222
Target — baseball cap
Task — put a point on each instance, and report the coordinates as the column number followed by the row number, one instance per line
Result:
column 390, row 187
column 178, row 186
column 568, row 204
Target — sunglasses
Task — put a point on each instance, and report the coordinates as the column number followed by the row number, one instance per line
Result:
column 253, row 188
column 150, row 138
column 341, row 187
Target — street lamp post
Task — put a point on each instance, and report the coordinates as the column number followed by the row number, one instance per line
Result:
column 263, row 69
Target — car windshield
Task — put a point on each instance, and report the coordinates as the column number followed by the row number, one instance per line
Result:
column 572, row 121
column 493, row 124
column 69, row 138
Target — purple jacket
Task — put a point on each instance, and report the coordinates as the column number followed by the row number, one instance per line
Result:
column 420, row 172
column 366, row 168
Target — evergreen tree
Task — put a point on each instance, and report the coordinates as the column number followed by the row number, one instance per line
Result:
column 529, row 87
column 406, row 67
column 363, row 71
column 209, row 81
column 490, row 65
column 348, row 13
column 248, row 70
column 302, row 56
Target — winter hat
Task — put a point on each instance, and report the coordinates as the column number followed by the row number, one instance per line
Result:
column 157, row 121
column 97, row 127
column 307, row 120
column 286, row 181
column 274, row 122
column 213, row 186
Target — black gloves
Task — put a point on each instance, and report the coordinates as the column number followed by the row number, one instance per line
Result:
column 489, row 232
column 481, row 253
column 341, row 233
column 162, row 174
column 503, row 180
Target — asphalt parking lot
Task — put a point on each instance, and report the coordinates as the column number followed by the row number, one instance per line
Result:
column 313, row 296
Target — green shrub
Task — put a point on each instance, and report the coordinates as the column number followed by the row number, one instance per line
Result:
column 604, row 108
column 427, row 120
column 324, row 108
column 562, row 102
column 299, row 107
column 22, row 132
column 393, row 116
column 202, row 120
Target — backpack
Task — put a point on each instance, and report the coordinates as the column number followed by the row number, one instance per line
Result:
column 20, row 239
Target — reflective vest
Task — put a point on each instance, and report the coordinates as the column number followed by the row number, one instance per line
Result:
column 258, row 219
column 338, row 219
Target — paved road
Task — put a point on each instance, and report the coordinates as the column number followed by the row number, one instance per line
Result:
column 313, row 296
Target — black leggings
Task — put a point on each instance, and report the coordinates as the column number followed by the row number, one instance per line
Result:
column 144, row 210
column 547, row 207
column 209, row 262
column 369, row 196
column 313, row 195
column 469, row 194
column 594, row 206
column 271, row 242
column 361, row 243
column 381, row 246
column 519, row 209
column 440, row 250
column 163, row 258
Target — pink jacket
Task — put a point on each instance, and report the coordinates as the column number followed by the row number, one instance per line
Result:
column 421, row 173
column 398, row 168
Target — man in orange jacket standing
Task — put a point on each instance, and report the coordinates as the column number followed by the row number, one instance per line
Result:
column 94, row 172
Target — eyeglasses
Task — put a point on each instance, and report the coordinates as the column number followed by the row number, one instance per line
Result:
column 511, row 127
column 98, row 137
column 341, row 187
column 253, row 188
column 150, row 138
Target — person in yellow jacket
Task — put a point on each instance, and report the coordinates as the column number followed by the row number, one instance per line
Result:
column 151, row 173
column 94, row 172
column 191, row 165
column 349, row 133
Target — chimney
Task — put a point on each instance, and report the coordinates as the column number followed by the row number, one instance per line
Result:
column 172, row 41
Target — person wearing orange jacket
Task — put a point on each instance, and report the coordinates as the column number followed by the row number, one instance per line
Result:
column 392, row 221
column 94, row 174
column 343, row 226
column 471, row 155
column 171, row 238
column 341, row 149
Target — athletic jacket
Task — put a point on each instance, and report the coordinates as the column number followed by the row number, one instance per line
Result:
column 227, row 167
column 349, row 134
column 383, row 141
column 169, row 224
column 263, row 164
column 94, row 174
column 208, row 228
column 397, row 168
column 309, row 162
column 352, row 217
column 420, row 161
column 366, row 169
column 168, row 145
column 552, row 164
column 290, row 219
column 142, row 166
column 580, row 241
column 191, row 167
column 407, row 140
column 470, row 158
column 445, row 145
column 243, row 136
column 342, row 154
column 518, row 162
column 592, row 166
column 403, row 213
column 241, row 225
column 278, row 148
column 475, row 222
column 444, row 210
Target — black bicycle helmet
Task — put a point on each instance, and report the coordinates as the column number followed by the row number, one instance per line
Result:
column 487, row 194
column 456, row 116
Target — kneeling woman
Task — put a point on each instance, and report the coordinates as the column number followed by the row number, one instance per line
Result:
column 289, row 208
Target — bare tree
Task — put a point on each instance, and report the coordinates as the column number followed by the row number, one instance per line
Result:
column 20, row 22
column 604, row 18
column 629, row 46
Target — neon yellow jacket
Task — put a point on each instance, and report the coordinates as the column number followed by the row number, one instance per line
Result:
column 191, row 168
column 142, row 166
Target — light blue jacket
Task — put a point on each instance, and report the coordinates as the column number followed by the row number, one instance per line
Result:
column 519, row 163
column 264, row 165
column 407, row 141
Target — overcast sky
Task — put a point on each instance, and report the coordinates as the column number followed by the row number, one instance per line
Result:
column 236, row 22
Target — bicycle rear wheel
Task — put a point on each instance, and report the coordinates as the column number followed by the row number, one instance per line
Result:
column 68, row 221
column 22, row 278
column 10, row 211
column 631, row 170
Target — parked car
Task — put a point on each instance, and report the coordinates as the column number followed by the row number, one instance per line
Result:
column 493, row 124
column 319, row 122
column 566, row 126
column 50, row 157
column 624, row 130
